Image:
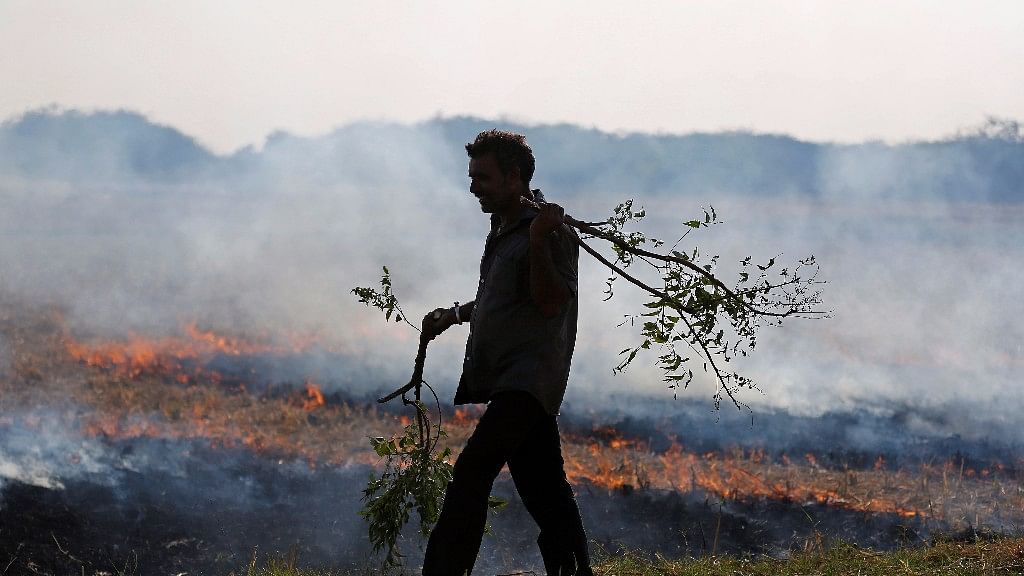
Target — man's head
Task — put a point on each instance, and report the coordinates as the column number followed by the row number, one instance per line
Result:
column 500, row 169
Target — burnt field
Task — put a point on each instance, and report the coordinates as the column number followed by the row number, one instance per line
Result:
column 179, row 454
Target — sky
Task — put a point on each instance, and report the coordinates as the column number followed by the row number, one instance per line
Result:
column 231, row 72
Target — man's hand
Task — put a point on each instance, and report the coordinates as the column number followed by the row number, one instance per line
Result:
column 436, row 322
column 550, row 217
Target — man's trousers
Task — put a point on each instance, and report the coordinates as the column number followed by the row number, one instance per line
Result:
column 515, row 430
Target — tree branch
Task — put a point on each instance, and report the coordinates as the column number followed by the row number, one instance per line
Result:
column 704, row 314
column 588, row 228
column 621, row 272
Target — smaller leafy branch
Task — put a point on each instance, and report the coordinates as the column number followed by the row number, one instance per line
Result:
column 415, row 476
column 384, row 300
column 415, row 473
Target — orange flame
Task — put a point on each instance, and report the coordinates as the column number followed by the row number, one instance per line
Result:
column 466, row 415
column 735, row 475
column 181, row 358
column 314, row 397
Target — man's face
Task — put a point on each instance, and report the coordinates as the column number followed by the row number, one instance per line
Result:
column 495, row 191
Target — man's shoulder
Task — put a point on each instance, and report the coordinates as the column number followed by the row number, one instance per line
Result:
column 566, row 243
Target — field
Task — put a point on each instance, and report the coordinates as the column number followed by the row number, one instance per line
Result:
column 114, row 450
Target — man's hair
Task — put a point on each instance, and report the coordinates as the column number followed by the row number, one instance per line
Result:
column 509, row 149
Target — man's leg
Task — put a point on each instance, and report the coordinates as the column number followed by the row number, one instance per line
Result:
column 538, row 471
column 455, row 540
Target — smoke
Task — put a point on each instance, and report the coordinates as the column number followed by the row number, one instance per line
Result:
column 5, row 359
column 133, row 228
column 922, row 284
column 919, row 245
column 40, row 450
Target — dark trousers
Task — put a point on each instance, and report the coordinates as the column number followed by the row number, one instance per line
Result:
column 516, row 430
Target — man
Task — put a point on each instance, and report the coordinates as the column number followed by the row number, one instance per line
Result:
column 521, row 339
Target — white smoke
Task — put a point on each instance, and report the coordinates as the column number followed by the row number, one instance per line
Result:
column 271, row 241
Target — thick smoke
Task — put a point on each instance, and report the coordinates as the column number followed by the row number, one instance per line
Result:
column 131, row 227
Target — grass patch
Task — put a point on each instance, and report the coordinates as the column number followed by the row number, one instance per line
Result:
column 994, row 556
column 943, row 558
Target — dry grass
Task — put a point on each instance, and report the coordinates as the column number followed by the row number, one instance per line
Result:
column 994, row 556
column 40, row 374
column 944, row 558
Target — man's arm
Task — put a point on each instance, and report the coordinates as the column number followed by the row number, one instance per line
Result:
column 441, row 319
column 548, row 288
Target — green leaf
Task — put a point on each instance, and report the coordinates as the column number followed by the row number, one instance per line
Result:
column 494, row 503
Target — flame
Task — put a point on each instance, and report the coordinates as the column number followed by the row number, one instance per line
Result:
column 314, row 397
column 466, row 415
column 737, row 474
column 182, row 358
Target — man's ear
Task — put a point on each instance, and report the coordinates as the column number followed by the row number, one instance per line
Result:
column 514, row 175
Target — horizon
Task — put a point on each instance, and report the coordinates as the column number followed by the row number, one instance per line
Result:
column 982, row 128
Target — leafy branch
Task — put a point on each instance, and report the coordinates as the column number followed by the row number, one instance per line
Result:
column 415, row 473
column 385, row 300
column 414, row 477
column 695, row 316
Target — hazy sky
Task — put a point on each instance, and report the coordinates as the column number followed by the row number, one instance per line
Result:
column 230, row 72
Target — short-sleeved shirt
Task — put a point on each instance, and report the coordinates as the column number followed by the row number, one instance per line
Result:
column 511, row 345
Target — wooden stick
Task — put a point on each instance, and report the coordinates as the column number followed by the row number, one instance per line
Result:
column 417, row 373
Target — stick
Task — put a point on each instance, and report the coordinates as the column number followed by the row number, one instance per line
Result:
column 417, row 372
column 63, row 551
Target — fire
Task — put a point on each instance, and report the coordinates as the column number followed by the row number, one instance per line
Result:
column 314, row 397
column 303, row 426
column 182, row 358
column 736, row 474
column 466, row 415
column 206, row 341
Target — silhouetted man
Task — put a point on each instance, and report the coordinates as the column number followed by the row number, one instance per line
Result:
column 521, row 338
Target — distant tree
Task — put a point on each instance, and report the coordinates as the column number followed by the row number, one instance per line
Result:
column 997, row 129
